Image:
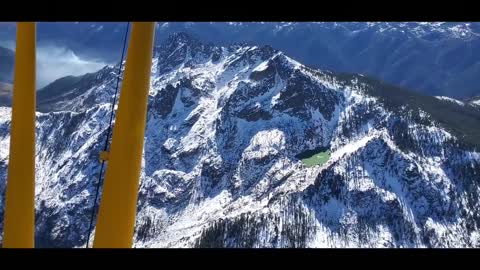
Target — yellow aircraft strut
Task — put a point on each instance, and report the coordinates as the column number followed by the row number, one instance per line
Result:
column 19, row 218
column 117, row 212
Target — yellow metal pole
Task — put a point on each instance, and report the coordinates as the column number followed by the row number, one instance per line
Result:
column 117, row 212
column 19, row 219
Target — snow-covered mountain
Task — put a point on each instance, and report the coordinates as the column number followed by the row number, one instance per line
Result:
column 428, row 57
column 475, row 101
column 225, row 128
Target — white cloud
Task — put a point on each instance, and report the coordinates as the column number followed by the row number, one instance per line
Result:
column 55, row 62
column 9, row 44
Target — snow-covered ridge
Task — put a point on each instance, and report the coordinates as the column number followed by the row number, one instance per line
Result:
column 422, row 29
column 5, row 116
column 458, row 30
column 451, row 100
column 475, row 102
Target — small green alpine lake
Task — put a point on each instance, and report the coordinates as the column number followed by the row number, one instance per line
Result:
column 317, row 159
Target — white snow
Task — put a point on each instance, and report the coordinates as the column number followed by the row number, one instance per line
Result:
column 261, row 67
column 475, row 102
column 451, row 100
column 265, row 143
